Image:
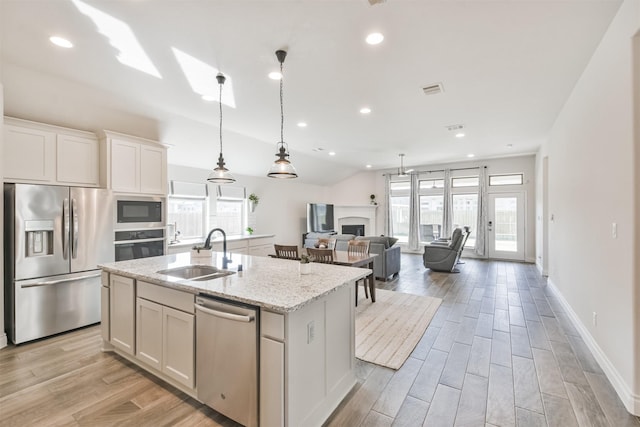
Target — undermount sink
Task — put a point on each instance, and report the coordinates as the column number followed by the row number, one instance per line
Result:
column 196, row 272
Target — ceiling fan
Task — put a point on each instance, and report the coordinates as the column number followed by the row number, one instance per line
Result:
column 401, row 171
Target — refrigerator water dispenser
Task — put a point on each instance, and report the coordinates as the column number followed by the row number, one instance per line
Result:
column 39, row 238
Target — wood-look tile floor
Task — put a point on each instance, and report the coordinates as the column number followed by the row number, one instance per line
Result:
column 500, row 351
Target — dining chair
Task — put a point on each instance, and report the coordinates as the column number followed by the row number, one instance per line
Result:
column 326, row 243
column 286, row 251
column 324, row 256
column 359, row 247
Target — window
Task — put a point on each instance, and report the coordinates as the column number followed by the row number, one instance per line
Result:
column 400, row 209
column 431, row 184
column 467, row 181
column 511, row 179
column 431, row 210
column 230, row 216
column 465, row 212
column 189, row 214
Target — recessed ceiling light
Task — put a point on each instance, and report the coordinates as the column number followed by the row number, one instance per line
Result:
column 374, row 38
column 209, row 98
column 368, row 166
column 332, row 153
column 275, row 75
column 302, row 125
column 460, row 135
column 471, row 155
column 365, row 110
column 59, row 41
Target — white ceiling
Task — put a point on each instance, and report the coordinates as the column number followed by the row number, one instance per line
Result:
column 507, row 68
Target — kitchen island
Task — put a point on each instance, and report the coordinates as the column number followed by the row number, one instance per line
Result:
column 305, row 328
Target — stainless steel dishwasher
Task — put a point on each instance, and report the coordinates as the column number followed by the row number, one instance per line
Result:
column 227, row 358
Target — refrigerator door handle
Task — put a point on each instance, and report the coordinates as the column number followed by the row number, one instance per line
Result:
column 74, row 218
column 65, row 228
column 55, row 282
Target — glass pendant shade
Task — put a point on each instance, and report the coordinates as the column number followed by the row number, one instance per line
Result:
column 220, row 175
column 282, row 168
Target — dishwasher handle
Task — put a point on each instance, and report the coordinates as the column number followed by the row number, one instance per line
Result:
column 224, row 315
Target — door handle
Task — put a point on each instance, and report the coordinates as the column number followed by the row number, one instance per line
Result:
column 74, row 218
column 65, row 228
column 55, row 282
column 224, row 315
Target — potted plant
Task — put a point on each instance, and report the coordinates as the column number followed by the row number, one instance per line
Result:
column 305, row 261
column 253, row 201
column 373, row 199
column 250, row 231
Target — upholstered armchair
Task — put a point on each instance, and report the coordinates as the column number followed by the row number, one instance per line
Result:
column 444, row 257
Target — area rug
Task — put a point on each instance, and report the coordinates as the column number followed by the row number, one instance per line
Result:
column 388, row 330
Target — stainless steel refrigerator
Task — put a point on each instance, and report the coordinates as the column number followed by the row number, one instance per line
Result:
column 54, row 238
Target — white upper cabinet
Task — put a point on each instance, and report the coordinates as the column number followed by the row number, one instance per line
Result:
column 45, row 154
column 134, row 165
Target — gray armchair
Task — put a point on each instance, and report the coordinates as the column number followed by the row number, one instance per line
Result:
column 444, row 257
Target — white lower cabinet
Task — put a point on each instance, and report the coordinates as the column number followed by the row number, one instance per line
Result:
column 271, row 382
column 165, row 335
column 122, row 312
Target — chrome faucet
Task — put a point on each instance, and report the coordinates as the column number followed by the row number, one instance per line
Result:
column 207, row 245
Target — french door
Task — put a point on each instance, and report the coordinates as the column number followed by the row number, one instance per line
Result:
column 506, row 226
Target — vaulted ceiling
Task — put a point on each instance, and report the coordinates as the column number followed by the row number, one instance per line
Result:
column 506, row 68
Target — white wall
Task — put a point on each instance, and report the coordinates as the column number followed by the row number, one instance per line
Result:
column 356, row 189
column 282, row 209
column 591, row 186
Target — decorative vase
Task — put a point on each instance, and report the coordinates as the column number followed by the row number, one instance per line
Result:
column 252, row 206
column 305, row 267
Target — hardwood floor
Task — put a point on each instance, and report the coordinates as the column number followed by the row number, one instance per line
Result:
column 500, row 351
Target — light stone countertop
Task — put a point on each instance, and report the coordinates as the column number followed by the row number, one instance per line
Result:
column 275, row 284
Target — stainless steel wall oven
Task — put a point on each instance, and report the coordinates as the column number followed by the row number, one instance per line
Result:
column 140, row 227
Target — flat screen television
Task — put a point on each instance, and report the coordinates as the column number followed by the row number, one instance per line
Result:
column 319, row 218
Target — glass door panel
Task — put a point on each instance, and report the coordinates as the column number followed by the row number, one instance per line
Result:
column 506, row 226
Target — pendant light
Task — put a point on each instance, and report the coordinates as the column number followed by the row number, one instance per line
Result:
column 282, row 167
column 221, row 175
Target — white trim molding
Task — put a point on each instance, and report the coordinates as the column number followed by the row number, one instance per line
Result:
column 355, row 215
column 630, row 400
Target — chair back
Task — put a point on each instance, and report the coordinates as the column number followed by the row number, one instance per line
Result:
column 358, row 247
column 456, row 239
column 324, row 256
column 286, row 251
column 326, row 243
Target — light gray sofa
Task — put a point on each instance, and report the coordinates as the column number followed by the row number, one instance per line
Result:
column 386, row 264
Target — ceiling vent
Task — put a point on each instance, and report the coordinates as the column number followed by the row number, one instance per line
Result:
column 454, row 127
column 375, row 2
column 433, row 89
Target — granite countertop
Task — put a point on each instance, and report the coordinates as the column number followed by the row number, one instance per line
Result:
column 275, row 284
column 218, row 238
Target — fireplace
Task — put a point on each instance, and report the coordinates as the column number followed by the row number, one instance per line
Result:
column 357, row 229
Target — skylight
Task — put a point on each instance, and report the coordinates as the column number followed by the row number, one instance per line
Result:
column 202, row 78
column 120, row 37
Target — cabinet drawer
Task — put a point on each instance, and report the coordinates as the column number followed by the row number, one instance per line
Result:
column 183, row 301
column 260, row 241
column 272, row 325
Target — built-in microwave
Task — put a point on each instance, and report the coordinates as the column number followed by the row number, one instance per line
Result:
column 134, row 213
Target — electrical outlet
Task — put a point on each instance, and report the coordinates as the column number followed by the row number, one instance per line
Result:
column 595, row 319
column 614, row 230
column 311, row 332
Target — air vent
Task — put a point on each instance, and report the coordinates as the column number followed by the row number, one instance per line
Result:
column 375, row 2
column 433, row 89
column 454, row 127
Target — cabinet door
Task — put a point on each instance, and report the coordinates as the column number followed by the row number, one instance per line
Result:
column 104, row 313
column 271, row 382
column 125, row 166
column 29, row 154
column 122, row 313
column 149, row 333
column 178, row 360
column 153, row 169
column 77, row 160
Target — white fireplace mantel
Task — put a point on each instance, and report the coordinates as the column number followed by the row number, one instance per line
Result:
column 356, row 214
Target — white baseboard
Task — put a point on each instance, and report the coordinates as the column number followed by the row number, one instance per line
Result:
column 3, row 340
column 630, row 400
